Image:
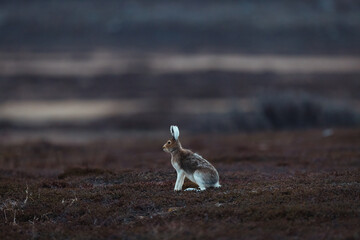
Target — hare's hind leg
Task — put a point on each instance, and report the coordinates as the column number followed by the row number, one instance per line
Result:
column 200, row 179
column 192, row 189
column 206, row 178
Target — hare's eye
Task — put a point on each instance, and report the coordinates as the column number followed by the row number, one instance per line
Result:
column 169, row 142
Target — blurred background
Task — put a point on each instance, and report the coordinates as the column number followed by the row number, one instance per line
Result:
column 78, row 70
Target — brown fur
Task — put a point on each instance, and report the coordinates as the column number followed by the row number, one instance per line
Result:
column 191, row 162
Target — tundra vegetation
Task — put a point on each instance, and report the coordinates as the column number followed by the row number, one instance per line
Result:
column 288, row 184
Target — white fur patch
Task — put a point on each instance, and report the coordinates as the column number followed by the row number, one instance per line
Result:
column 176, row 166
column 192, row 189
column 174, row 130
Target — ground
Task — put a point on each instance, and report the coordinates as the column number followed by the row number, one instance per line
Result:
column 275, row 185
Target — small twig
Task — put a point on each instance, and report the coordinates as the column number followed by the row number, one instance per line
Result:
column 27, row 194
column 14, row 222
column 6, row 220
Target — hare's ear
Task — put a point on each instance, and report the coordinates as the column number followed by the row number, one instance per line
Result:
column 174, row 130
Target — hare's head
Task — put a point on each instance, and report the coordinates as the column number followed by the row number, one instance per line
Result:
column 173, row 144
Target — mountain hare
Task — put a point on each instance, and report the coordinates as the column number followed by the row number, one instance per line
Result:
column 190, row 165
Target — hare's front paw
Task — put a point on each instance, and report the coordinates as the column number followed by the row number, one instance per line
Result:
column 177, row 189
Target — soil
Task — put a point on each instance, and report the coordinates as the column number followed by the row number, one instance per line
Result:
column 275, row 185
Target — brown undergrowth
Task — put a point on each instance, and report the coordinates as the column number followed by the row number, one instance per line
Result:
column 274, row 185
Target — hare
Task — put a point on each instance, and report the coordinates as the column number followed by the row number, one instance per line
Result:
column 190, row 165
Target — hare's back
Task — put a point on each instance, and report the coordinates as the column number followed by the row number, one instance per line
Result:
column 193, row 161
